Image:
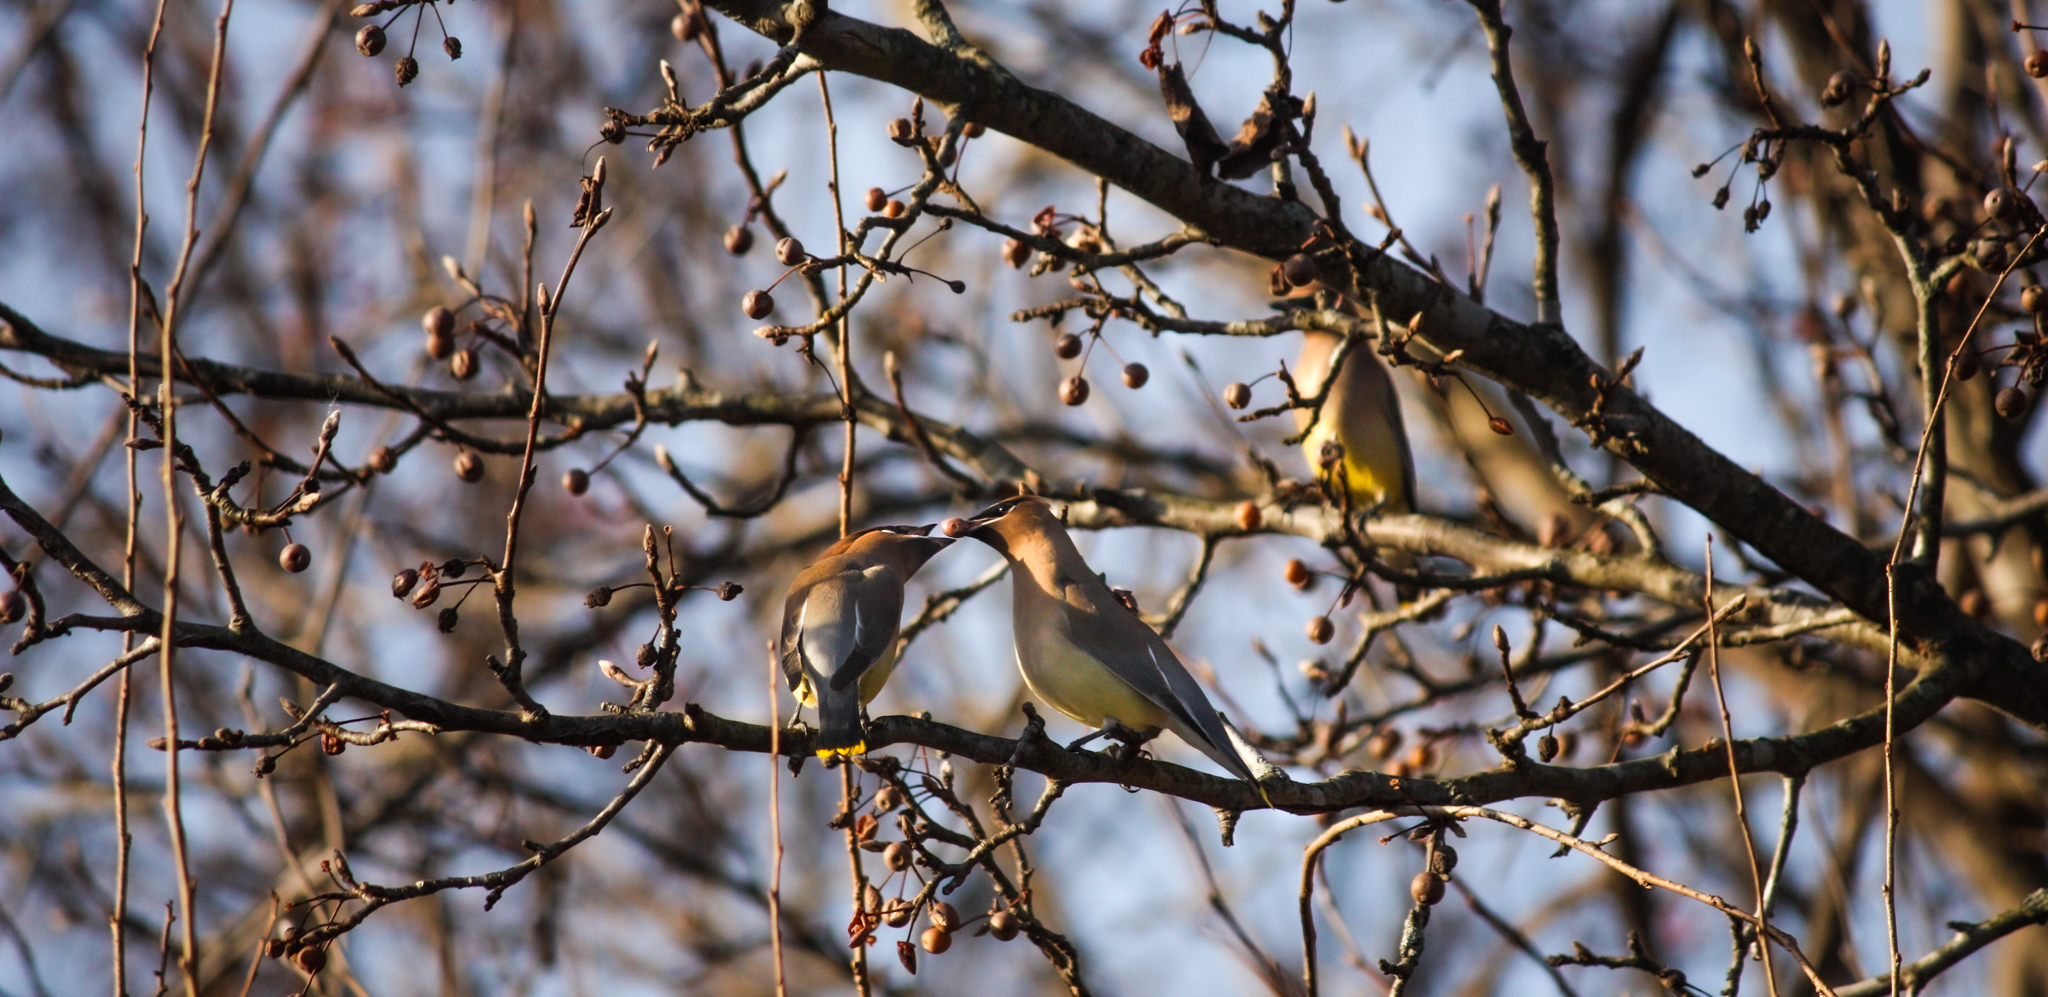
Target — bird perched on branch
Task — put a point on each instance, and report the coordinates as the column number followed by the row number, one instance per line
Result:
column 839, row 625
column 1362, row 413
column 1084, row 652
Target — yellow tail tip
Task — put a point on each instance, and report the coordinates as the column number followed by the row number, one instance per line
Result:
column 859, row 748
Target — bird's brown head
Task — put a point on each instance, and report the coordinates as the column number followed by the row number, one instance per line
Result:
column 1001, row 524
column 908, row 546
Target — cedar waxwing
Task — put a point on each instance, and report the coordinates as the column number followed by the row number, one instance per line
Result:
column 839, row 626
column 1363, row 413
column 1081, row 650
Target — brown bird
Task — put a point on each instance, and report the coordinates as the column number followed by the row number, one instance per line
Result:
column 839, row 626
column 1363, row 413
column 1082, row 651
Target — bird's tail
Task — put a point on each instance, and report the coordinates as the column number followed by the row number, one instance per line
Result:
column 840, row 731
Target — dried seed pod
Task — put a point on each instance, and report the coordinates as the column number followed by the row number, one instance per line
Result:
column 876, row 198
column 1066, row 346
column 898, row 913
column 788, row 251
column 1299, row 269
column 1135, row 375
column 1546, row 747
column 1016, row 253
column 2037, row 64
column 12, row 605
column 1720, row 198
column 974, row 129
column 463, row 365
column 644, row 656
column 901, row 131
column 447, row 620
column 598, row 598
column 383, row 460
column 402, row 583
column 576, row 481
column 453, row 46
column 944, row 917
column 1967, row 364
column 1320, row 630
column 332, row 744
column 454, row 567
column 1427, row 888
column 1248, row 516
column 897, row 856
column 1298, row 575
column 2010, row 402
column 906, row 954
column 757, row 304
column 370, row 40
column 888, row 798
column 1004, row 925
column 407, row 70
column 295, row 558
column 1443, row 859
column 1237, row 394
column 1074, row 390
column 469, row 467
column 893, row 209
column 427, row 594
column 935, row 941
column 728, row 591
column 1838, row 89
column 1997, row 202
column 739, row 239
column 310, row 960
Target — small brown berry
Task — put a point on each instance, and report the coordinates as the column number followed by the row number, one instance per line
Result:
column 1135, row 375
column 871, row 898
column 1299, row 269
column 407, row 70
column 295, row 558
column 462, row 366
column 1997, row 202
column 1237, row 394
column 888, row 798
column 935, row 941
column 876, row 198
column 945, row 918
column 454, row 567
column 901, row 131
column 1320, row 630
column 312, row 959
column 469, row 467
column 383, row 460
column 1004, row 925
column 897, row 856
column 728, row 591
column 1442, row 859
column 685, row 27
column 370, row 40
column 1546, row 747
column 12, row 605
column 974, row 129
column 788, row 251
column 598, row 598
column 2034, row 299
column 453, row 46
column 1016, row 253
column 2041, row 612
column 739, row 239
column 427, row 594
column 2010, row 402
column 402, row 583
column 757, row 304
column 1967, row 364
column 2037, row 64
column 447, row 620
column 1838, row 89
column 1384, row 742
column 1248, row 516
column 576, row 481
column 1422, row 757
column 1074, row 390
column 893, row 209
column 438, row 321
column 1427, row 888
column 898, row 913
column 1298, row 575
column 1066, row 346
column 602, row 750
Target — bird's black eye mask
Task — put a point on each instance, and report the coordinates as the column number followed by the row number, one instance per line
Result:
column 1000, row 509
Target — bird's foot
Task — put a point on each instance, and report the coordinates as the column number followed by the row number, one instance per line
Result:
column 1132, row 741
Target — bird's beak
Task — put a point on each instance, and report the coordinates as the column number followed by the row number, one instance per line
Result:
column 925, row 531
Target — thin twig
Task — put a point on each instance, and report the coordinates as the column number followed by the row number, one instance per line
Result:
column 775, row 818
column 1734, row 772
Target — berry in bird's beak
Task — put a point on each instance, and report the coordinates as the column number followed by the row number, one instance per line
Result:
column 956, row 527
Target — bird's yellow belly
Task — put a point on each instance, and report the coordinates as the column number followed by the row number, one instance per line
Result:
column 1368, row 485
column 871, row 682
column 1074, row 683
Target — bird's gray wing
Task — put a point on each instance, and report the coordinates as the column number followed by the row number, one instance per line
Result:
column 1137, row 654
column 849, row 622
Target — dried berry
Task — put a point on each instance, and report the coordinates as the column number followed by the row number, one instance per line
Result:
column 407, row 70
column 898, row 913
column 2010, row 402
column 453, row 46
column 1838, row 89
column 427, row 594
column 876, row 197
column 897, row 856
column 332, row 744
column 1016, row 253
column 1442, row 859
column 757, row 304
column 469, row 467
column 447, row 620
column 685, row 27
column 901, row 131
column 602, row 750
column 945, row 918
column 383, row 460
column 788, row 251
column 1427, row 888
column 935, row 941
column 370, row 39
column 1004, row 925
column 974, row 129
column 463, row 365
column 1320, row 630
column 312, row 959
column 1135, row 375
column 888, row 798
column 739, row 239
column 295, row 558
column 1384, row 742
column 1299, row 269
column 906, row 954
column 893, row 209
column 439, row 324
column 1066, row 346
column 1074, row 390
column 599, row 597
column 1421, row 758
column 2037, row 64
column 1298, row 575
column 12, row 605
column 2034, row 299
column 402, row 583
column 1248, row 516
column 576, row 481
column 1967, row 364
column 728, row 591
column 1546, row 747
column 1237, row 394
column 1997, row 202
